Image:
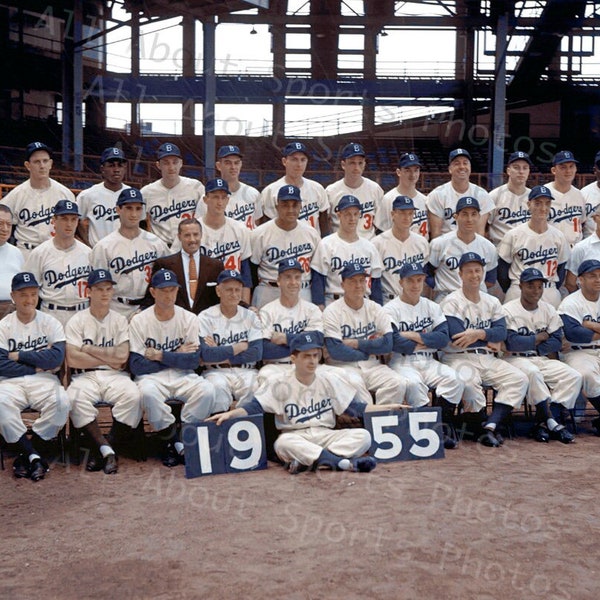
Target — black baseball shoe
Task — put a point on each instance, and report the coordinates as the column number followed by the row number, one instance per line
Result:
column 110, row 464
column 21, row 467
column 363, row 464
column 170, row 457
column 540, row 434
column 489, row 439
column 38, row 469
column 562, row 434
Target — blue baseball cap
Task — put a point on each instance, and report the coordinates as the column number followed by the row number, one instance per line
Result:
column 540, row 191
column 351, row 150
column 23, row 280
column 410, row 269
column 167, row 149
column 515, row 156
column 409, row 159
column 164, row 278
column 34, row 147
column 130, row 196
column 112, row 153
column 348, row 201
column 229, row 274
column 214, row 185
column 289, row 192
column 307, row 340
column 99, row 276
column 458, row 153
column 352, row 269
column 588, row 265
column 288, row 264
column 467, row 202
column 65, row 207
column 468, row 257
column 228, row 151
column 403, row 203
column 564, row 156
column 293, row 147
column 532, row 274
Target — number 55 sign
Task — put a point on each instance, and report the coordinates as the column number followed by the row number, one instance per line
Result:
column 405, row 435
column 235, row 445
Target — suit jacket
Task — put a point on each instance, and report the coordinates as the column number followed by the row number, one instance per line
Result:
column 208, row 271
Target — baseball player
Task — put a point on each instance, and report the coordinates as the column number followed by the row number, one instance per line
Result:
column 128, row 253
column 534, row 244
column 230, row 342
column 341, row 248
column 510, row 199
column 445, row 251
column 477, row 326
column 244, row 202
column 358, row 331
column 408, row 173
column 11, row 261
column 419, row 330
column 368, row 192
column 399, row 245
column 172, row 197
column 591, row 193
column 98, row 204
column 568, row 213
column 32, row 201
column 97, row 352
column 32, row 349
column 586, row 249
column 305, row 406
column 284, row 237
column 164, row 353
column 441, row 202
column 62, row 265
column 224, row 238
column 533, row 342
column 580, row 314
column 315, row 206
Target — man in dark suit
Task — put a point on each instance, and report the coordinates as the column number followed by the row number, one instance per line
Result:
column 188, row 261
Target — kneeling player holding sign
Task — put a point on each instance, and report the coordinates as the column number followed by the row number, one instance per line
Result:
column 305, row 407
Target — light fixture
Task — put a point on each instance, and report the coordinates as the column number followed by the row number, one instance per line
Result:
column 253, row 32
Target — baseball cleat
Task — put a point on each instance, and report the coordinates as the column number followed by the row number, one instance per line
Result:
column 21, row 468
column 364, row 464
column 488, row 438
column 540, row 434
column 562, row 435
column 110, row 464
column 38, row 470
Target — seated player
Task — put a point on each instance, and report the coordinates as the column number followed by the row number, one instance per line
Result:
column 533, row 342
column 32, row 349
column 230, row 343
column 305, row 406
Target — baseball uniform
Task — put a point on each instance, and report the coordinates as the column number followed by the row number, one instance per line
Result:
column 244, row 206
column 568, row 213
column 510, row 210
column 587, row 248
column 383, row 213
column 591, row 193
column 230, row 244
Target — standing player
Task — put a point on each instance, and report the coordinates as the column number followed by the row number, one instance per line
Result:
column 510, row 199
column 11, row 261
column 284, row 237
column 164, row 355
column 534, row 244
column 172, row 197
column 32, row 349
column 591, row 193
column 97, row 353
column 420, row 329
column 534, row 340
column 244, row 202
column 224, row 238
column 399, row 246
column 98, row 204
column 341, row 248
column 315, row 205
column 441, row 202
column 128, row 253
column 31, row 202
column 230, row 342
column 408, row 173
column 368, row 192
column 62, row 265
column 477, row 327
column 586, row 249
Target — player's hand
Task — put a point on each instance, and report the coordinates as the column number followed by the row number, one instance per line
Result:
column 540, row 337
column 13, row 356
column 209, row 340
column 187, row 347
column 221, row 418
column 351, row 343
column 279, row 338
column 420, row 347
column 239, row 347
column 413, row 336
column 495, row 346
column 465, row 338
column 153, row 354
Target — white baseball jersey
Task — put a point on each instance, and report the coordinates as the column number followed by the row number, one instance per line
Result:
column 527, row 322
column 276, row 318
column 370, row 195
column 394, row 253
column 568, row 213
column 445, row 252
column 244, row 205
column 229, row 244
column 271, row 244
column 383, row 213
column 510, row 210
column 587, row 248
column 579, row 309
column 333, row 254
column 98, row 205
column 591, row 193
column 442, row 200
column 11, row 263
column 32, row 211
column 62, row 274
column 129, row 261
column 314, row 200
column 166, row 207
column 423, row 317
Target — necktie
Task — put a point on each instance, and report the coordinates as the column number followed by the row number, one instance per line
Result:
column 193, row 274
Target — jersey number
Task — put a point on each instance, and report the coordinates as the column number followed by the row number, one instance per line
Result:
column 551, row 267
column 233, row 264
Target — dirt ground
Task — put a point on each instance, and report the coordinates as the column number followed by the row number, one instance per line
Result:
column 513, row 523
